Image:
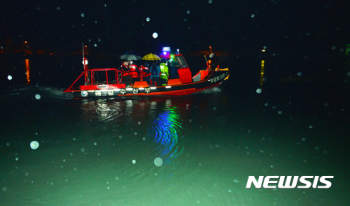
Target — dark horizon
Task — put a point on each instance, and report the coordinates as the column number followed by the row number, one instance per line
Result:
column 190, row 26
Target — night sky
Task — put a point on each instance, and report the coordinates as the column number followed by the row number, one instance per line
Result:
column 234, row 26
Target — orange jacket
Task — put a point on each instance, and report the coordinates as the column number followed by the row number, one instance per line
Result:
column 144, row 71
column 134, row 71
column 125, row 69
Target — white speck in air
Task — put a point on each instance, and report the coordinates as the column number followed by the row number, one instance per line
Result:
column 34, row 145
column 158, row 161
column 155, row 35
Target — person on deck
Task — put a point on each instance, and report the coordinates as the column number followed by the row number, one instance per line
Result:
column 145, row 72
column 164, row 73
column 173, row 67
column 125, row 72
column 155, row 73
column 134, row 72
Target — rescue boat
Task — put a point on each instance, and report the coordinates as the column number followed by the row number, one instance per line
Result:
column 111, row 83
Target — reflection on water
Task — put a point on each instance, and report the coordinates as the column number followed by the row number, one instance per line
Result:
column 27, row 71
column 103, row 110
column 165, row 130
column 157, row 121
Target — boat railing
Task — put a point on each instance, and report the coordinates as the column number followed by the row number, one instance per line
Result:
column 91, row 80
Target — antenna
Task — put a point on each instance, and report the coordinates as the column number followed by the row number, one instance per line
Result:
column 83, row 56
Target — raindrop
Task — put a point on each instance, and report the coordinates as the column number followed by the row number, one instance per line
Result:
column 308, row 34
column 236, row 181
column 95, row 45
column 34, row 145
column 158, row 161
column 334, row 47
column 155, row 35
column 188, row 11
column 82, row 150
column 37, row 96
column 253, row 15
column 348, row 74
column 266, row 104
column 271, row 166
column 9, row 77
column 134, row 161
column 325, row 151
column 82, row 14
column 4, row 189
column 214, row 108
column 185, row 19
column 95, row 22
column 326, row 104
column 264, row 47
column 258, row 91
column 279, row 112
column 299, row 74
column 143, row 138
column 135, row 133
column 310, row 126
column 26, row 174
column 58, row 8
column 99, row 40
column 95, row 143
column 139, row 123
column 261, row 151
column 303, row 139
column 148, row 19
column 16, row 158
column 274, row 107
column 105, row 5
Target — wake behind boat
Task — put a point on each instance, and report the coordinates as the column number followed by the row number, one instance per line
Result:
column 113, row 84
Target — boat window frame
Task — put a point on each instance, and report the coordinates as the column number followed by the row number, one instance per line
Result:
column 182, row 61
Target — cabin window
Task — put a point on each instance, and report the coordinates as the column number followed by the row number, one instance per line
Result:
column 182, row 61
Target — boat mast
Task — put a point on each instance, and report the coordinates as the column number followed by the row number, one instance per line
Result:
column 83, row 56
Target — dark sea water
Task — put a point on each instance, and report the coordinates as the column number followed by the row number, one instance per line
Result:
column 190, row 150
